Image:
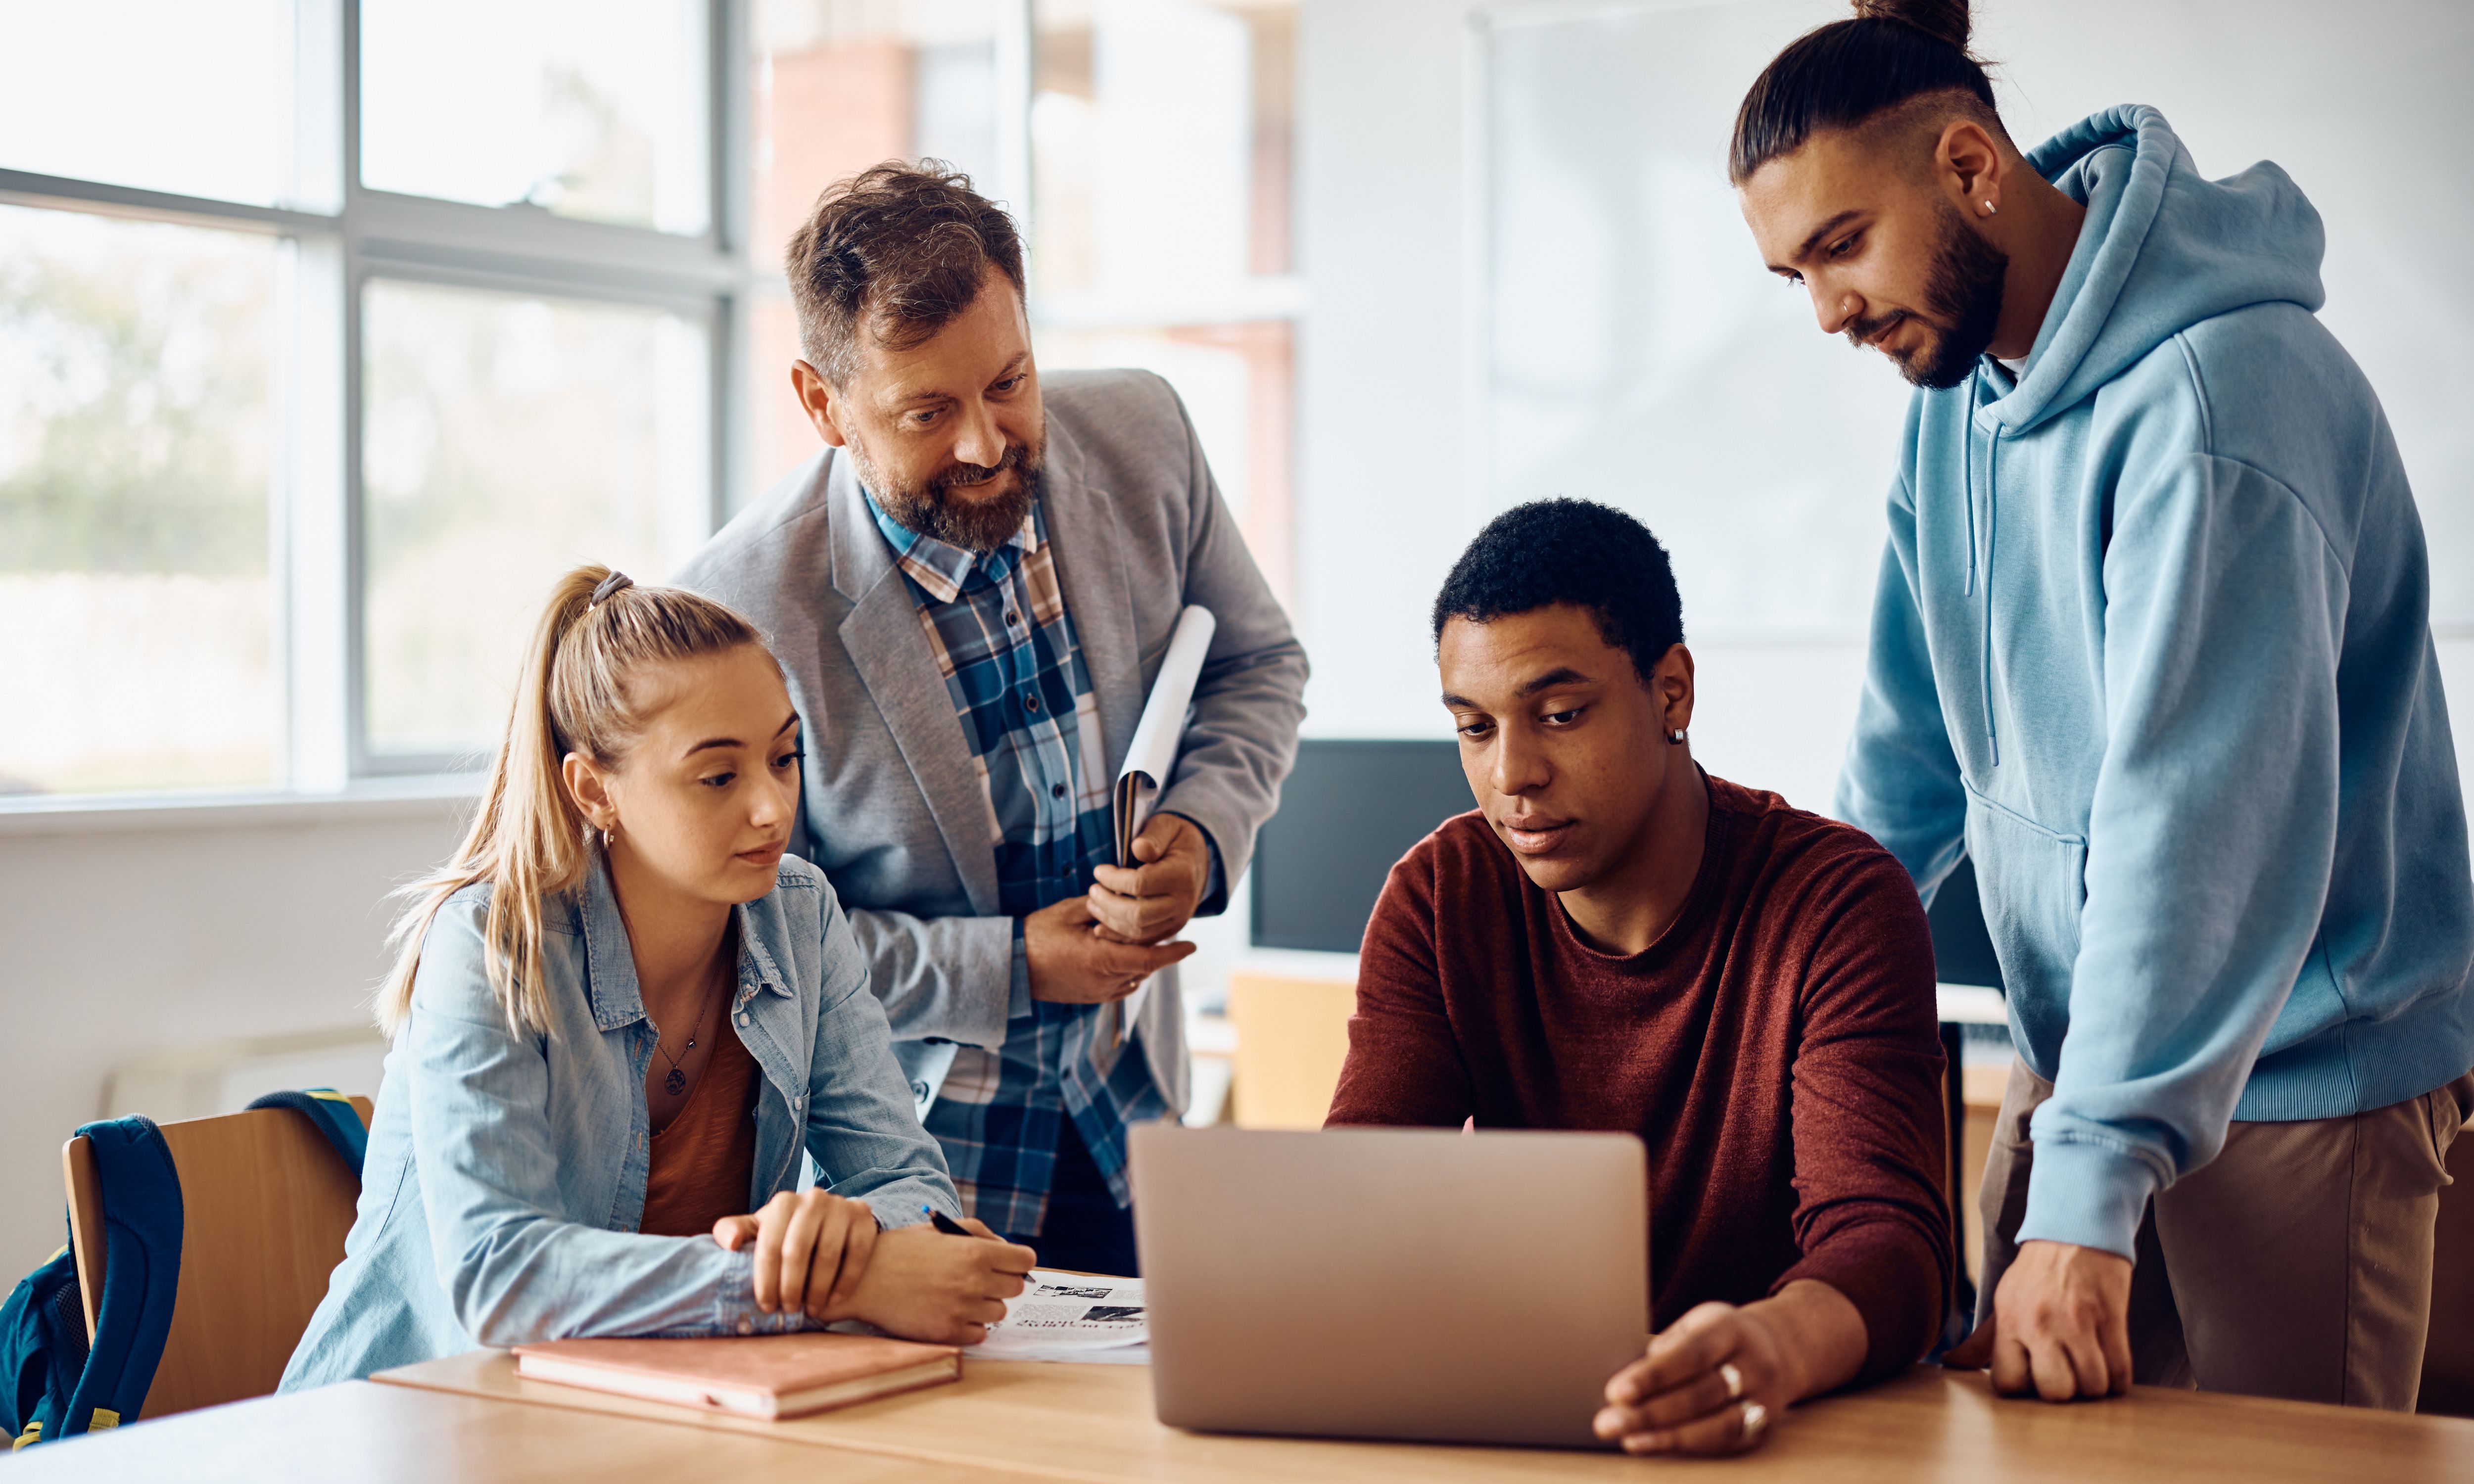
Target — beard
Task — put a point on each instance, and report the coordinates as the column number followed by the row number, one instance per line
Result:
column 954, row 505
column 1962, row 307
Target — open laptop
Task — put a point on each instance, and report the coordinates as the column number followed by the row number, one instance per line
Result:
column 1390, row 1282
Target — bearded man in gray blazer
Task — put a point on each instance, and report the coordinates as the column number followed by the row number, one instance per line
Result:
column 971, row 588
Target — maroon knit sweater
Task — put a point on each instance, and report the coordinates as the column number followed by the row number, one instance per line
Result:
column 1775, row 1049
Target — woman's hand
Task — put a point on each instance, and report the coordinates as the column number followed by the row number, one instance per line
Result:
column 811, row 1250
column 925, row 1285
column 1716, row 1379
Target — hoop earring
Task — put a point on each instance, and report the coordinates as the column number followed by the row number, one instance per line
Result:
column 1675, row 738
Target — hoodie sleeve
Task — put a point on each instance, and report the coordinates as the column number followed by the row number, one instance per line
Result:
column 2211, row 834
column 1900, row 783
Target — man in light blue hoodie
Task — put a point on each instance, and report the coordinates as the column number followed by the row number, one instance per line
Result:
column 2152, row 649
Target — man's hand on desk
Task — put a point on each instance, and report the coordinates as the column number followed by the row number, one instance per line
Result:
column 1716, row 1379
column 1072, row 961
column 1158, row 897
column 2060, row 1326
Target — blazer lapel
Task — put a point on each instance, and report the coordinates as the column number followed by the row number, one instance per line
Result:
column 1090, row 555
column 891, row 652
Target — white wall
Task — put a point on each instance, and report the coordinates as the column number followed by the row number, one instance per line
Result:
column 1386, row 377
column 136, row 932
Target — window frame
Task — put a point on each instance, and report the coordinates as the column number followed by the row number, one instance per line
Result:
column 337, row 236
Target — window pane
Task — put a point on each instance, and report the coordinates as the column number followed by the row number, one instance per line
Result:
column 780, row 437
column 169, row 95
column 840, row 84
column 592, row 109
column 1160, row 136
column 507, row 438
column 134, row 598
column 1161, row 147
column 1239, row 386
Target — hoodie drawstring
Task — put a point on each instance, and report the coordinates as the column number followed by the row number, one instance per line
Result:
column 1992, row 447
column 1992, row 499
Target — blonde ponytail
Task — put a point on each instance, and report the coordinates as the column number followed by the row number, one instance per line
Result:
column 529, row 840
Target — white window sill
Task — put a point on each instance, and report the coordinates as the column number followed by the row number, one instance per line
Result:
column 366, row 801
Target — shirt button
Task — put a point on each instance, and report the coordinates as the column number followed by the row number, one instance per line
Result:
column 1031, row 700
column 1012, row 617
column 742, row 1018
column 746, row 1326
column 1056, row 790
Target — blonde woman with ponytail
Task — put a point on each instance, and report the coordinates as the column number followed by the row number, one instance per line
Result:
column 621, row 1014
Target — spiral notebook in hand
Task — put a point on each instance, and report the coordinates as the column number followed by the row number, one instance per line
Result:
column 771, row 1377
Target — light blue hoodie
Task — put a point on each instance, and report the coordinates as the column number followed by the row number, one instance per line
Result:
column 2152, row 646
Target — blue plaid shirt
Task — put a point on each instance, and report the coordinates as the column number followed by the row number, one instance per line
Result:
column 1005, row 647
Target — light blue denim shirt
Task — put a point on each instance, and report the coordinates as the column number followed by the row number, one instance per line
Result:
column 506, row 1170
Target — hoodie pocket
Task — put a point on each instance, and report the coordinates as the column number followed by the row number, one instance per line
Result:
column 2032, row 881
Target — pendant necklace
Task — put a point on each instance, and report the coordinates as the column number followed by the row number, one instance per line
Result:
column 676, row 1082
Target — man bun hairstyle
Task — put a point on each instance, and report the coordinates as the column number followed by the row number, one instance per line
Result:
column 896, row 252
column 1846, row 73
column 1591, row 556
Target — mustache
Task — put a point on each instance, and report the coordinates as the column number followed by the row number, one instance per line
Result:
column 1859, row 333
column 970, row 476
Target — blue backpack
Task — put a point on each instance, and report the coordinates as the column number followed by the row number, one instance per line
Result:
column 53, row 1384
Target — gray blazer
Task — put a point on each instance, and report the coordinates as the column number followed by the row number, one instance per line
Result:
column 895, row 814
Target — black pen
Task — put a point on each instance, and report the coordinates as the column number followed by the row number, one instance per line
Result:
column 947, row 1224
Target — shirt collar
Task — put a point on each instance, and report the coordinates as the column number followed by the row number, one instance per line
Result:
column 942, row 570
column 610, row 959
column 610, row 963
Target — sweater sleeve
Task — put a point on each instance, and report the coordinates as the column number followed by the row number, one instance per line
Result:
column 1404, row 1064
column 1870, row 1142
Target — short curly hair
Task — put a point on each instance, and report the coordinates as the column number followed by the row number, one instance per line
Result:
column 898, row 250
column 1591, row 556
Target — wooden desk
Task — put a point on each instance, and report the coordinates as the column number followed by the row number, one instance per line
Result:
column 1094, row 1424
column 358, row 1433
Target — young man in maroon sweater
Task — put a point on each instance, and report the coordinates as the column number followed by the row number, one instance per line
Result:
column 1616, row 940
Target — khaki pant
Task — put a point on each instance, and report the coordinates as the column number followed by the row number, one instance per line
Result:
column 2296, row 1263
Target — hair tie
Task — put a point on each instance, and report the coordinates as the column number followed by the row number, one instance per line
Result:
column 611, row 584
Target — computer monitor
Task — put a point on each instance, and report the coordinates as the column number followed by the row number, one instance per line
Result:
column 1352, row 808
column 1349, row 810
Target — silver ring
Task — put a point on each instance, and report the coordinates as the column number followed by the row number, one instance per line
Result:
column 1755, row 1418
column 1734, row 1379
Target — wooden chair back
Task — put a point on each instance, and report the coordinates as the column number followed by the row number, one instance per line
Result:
column 266, row 1202
column 1292, row 1038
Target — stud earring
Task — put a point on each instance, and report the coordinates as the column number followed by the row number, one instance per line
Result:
column 1989, row 211
column 1675, row 738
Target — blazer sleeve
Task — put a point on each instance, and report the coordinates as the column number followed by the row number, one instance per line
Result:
column 941, row 978
column 863, row 1126
column 1251, row 695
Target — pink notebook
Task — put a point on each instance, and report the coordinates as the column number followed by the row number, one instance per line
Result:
column 771, row 1376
